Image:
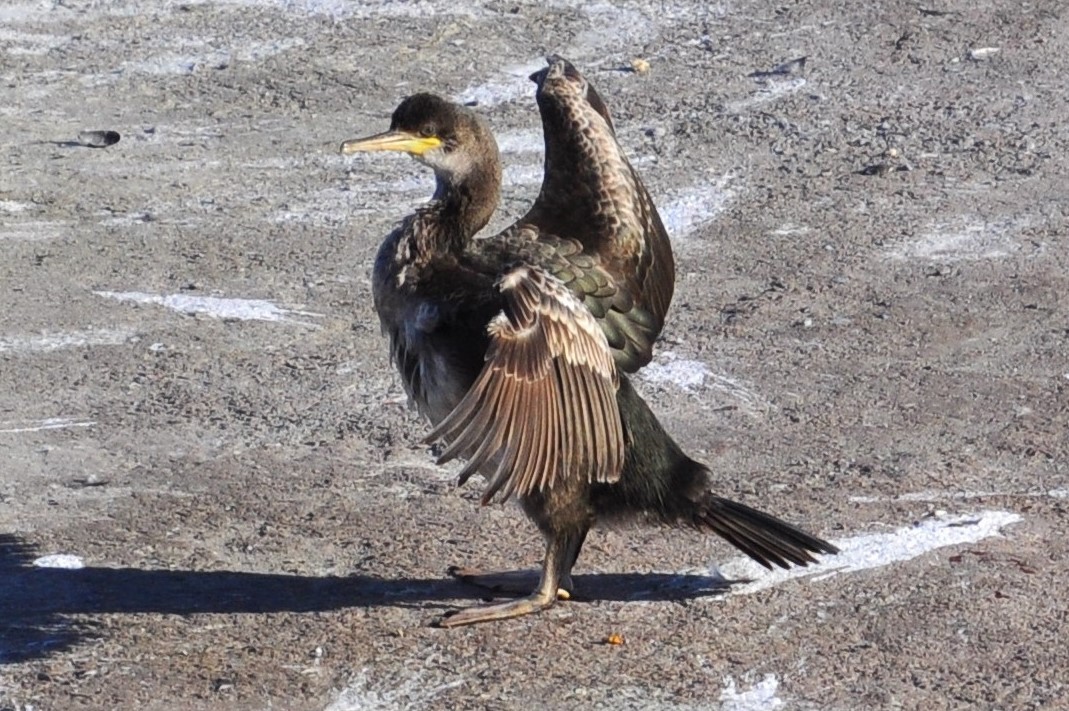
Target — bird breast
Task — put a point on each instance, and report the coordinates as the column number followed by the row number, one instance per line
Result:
column 433, row 374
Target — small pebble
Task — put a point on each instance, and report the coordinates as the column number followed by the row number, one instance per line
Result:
column 98, row 139
column 981, row 53
column 793, row 66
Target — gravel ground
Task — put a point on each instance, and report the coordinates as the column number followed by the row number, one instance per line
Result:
column 212, row 495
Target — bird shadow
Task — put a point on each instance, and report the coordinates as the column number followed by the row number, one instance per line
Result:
column 61, row 143
column 44, row 611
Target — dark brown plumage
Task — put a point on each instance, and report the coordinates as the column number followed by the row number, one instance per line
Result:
column 516, row 347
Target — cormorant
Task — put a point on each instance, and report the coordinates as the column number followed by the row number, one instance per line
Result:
column 517, row 346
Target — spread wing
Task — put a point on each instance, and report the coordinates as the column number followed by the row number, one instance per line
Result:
column 544, row 405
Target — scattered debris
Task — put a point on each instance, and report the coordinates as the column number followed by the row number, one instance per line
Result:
column 981, row 53
column 640, row 66
column 789, row 68
column 98, row 139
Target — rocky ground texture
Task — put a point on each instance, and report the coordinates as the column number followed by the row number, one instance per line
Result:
column 212, row 495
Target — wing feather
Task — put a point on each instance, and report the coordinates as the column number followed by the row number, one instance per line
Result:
column 544, row 405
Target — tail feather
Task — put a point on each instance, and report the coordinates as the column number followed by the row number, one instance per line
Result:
column 762, row 537
column 664, row 484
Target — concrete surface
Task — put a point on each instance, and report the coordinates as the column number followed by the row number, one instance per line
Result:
column 213, row 497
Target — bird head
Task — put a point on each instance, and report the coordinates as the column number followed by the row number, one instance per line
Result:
column 561, row 87
column 450, row 139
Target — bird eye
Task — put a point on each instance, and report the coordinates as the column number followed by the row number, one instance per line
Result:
column 428, row 131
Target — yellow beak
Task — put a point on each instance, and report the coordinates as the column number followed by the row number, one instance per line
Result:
column 392, row 141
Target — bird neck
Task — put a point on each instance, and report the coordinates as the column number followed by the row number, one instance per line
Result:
column 442, row 229
column 462, row 207
column 587, row 184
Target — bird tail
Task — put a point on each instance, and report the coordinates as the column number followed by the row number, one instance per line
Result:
column 762, row 537
column 663, row 483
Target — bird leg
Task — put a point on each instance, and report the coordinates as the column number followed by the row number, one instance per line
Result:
column 519, row 582
column 561, row 553
column 508, row 583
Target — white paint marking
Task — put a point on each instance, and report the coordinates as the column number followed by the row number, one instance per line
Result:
column 55, row 341
column 50, row 423
column 959, row 495
column 875, row 550
column 759, row 697
column 692, row 376
column 239, row 309
column 969, row 241
column 688, row 210
column 410, row 693
column 65, row 561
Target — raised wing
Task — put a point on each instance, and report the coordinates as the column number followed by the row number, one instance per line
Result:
column 544, row 405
